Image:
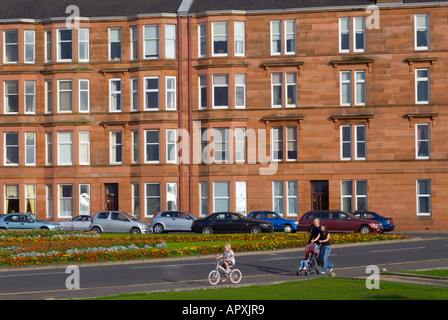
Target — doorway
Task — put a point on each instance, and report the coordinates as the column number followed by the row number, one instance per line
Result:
column 319, row 195
column 111, row 195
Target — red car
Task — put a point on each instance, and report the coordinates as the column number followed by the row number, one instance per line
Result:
column 339, row 221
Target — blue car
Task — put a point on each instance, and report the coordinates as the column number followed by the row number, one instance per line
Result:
column 388, row 223
column 280, row 223
column 25, row 221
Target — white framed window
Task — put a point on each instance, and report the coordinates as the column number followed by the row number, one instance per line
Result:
column 220, row 38
column 30, row 148
column 220, row 91
column 152, row 93
column 116, row 147
column 240, row 144
column 359, row 34
column 346, row 88
column 203, row 199
column 422, row 141
column 170, row 41
column 84, row 147
column 239, row 38
column 65, row 96
column 151, row 41
column 48, row 55
column 277, row 143
column 361, row 195
column 83, row 44
column 421, row 27
column 84, row 199
column 221, row 196
column 202, row 43
column 424, row 197
column 276, row 38
column 170, row 91
column 134, row 43
column 344, row 35
column 64, row 45
column 30, row 46
column 291, row 89
column 292, row 203
column 347, row 195
column 115, row 95
column 65, row 148
column 114, row 44
column 135, row 199
column 12, row 198
column 30, row 198
column 276, row 90
column 241, row 197
column 10, row 46
column 11, row 101
column 202, row 92
column 152, row 146
column 346, row 142
column 422, row 87
column 49, row 148
column 221, row 145
column 152, row 199
column 171, row 196
column 278, row 197
column 48, row 96
column 290, row 37
column 135, row 146
column 291, row 143
column 134, row 94
column 360, row 88
column 11, row 149
column 30, row 96
column 360, row 142
column 240, row 91
column 65, row 200
column 49, row 200
column 84, row 95
column 171, row 146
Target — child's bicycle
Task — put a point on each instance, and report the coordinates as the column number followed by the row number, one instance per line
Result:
column 214, row 276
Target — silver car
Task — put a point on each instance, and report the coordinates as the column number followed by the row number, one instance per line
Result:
column 164, row 221
column 117, row 222
column 81, row 223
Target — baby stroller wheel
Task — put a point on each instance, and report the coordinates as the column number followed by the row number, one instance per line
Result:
column 299, row 272
column 307, row 273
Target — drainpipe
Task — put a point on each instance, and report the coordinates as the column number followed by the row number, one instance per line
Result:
column 190, row 117
column 180, row 73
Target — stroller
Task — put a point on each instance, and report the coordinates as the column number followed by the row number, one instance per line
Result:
column 312, row 254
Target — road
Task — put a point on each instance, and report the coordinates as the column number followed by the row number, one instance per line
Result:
column 190, row 273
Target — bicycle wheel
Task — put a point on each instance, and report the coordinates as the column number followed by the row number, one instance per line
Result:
column 235, row 276
column 213, row 277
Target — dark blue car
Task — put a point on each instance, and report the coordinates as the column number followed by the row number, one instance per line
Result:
column 388, row 223
column 280, row 224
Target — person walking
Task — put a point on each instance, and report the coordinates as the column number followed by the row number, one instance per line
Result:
column 325, row 248
column 315, row 231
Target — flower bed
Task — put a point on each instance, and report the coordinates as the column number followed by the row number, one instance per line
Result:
column 50, row 247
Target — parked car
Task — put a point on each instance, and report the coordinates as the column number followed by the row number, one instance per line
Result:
column 164, row 221
column 117, row 222
column 25, row 221
column 387, row 223
column 230, row 222
column 280, row 223
column 81, row 223
column 339, row 221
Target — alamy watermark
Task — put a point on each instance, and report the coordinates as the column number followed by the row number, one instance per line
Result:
column 373, row 280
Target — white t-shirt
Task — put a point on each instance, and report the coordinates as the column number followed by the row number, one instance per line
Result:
column 227, row 255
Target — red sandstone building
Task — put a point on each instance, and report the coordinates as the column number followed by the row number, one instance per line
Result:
column 291, row 106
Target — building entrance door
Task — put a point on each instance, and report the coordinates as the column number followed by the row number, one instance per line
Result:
column 111, row 195
column 319, row 195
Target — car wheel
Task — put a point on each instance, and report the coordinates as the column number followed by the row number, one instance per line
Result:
column 158, row 228
column 255, row 229
column 97, row 230
column 135, row 231
column 365, row 229
column 287, row 228
column 44, row 228
column 207, row 230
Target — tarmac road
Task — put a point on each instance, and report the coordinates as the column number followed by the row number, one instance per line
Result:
column 191, row 273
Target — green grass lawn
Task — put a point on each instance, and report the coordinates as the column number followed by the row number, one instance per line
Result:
column 435, row 272
column 323, row 288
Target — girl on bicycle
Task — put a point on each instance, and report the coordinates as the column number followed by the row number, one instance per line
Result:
column 229, row 257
